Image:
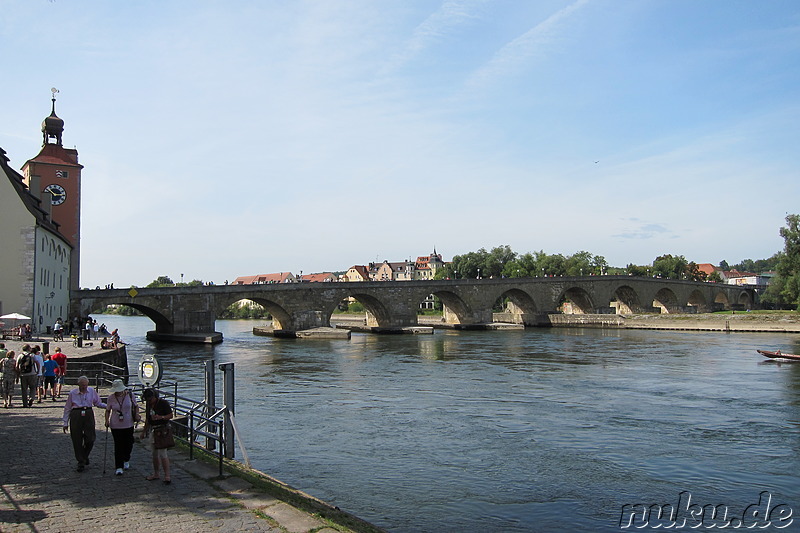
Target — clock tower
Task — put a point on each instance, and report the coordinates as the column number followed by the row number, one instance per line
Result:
column 56, row 175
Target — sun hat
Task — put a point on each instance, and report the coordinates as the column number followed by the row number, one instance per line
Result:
column 117, row 386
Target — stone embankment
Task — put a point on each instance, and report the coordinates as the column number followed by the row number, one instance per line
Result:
column 87, row 353
column 737, row 322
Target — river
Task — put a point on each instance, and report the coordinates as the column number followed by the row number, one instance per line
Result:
column 538, row 430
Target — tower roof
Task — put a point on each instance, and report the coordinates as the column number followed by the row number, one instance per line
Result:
column 52, row 126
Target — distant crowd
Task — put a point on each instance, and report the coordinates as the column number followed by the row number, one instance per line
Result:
column 39, row 375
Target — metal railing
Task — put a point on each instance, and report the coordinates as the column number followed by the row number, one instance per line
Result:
column 100, row 374
column 195, row 421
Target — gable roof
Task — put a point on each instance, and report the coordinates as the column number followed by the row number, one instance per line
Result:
column 361, row 270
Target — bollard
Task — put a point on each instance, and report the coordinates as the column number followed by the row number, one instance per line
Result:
column 210, row 398
column 228, row 398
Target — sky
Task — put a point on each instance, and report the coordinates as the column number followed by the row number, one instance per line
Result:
column 222, row 139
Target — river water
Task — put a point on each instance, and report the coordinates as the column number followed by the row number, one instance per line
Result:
column 538, row 430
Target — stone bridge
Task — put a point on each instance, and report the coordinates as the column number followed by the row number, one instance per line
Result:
column 188, row 314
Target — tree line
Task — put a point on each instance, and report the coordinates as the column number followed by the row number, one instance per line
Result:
column 503, row 262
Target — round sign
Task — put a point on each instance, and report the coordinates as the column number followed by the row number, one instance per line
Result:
column 149, row 371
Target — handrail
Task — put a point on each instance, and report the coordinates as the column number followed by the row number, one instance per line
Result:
column 198, row 424
column 100, row 372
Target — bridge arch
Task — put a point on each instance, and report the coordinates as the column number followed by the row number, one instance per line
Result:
column 746, row 299
column 281, row 319
column 721, row 299
column 698, row 299
column 454, row 309
column 161, row 322
column 521, row 300
column 576, row 301
column 627, row 300
column 666, row 300
column 378, row 314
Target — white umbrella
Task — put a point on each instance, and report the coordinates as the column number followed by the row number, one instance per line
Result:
column 16, row 316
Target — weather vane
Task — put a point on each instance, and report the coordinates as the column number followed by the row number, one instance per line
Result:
column 54, row 91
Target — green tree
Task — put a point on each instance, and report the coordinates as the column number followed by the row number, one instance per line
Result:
column 669, row 266
column 637, row 270
column 579, row 264
column 161, row 281
column 789, row 264
column 553, row 265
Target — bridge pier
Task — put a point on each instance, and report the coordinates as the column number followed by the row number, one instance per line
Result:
column 213, row 337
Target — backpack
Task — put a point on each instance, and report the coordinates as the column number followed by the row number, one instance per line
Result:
column 26, row 364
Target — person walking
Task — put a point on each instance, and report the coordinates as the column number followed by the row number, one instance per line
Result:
column 49, row 369
column 60, row 358
column 122, row 413
column 79, row 419
column 8, row 366
column 28, row 375
column 159, row 413
column 36, row 351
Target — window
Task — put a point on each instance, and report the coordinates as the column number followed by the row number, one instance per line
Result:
column 62, row 173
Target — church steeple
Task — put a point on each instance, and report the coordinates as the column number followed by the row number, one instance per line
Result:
column 52, row 126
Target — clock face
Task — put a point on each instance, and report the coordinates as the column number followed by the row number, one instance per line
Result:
column 57, row 193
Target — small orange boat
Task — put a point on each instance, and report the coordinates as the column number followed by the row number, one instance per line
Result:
column 779, row 355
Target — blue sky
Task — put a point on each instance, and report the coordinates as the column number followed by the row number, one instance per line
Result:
column 235, row 138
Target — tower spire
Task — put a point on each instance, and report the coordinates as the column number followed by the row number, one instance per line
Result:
column 52, row 126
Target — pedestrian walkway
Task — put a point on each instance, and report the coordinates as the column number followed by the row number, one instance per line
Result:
column 40, row 489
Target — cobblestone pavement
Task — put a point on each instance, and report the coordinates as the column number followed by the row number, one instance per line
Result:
column 40, row 489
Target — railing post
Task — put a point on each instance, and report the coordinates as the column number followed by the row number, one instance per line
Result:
column 210, row 397
column 228, row 397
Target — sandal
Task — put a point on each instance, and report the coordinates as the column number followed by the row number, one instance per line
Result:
column 153, row 477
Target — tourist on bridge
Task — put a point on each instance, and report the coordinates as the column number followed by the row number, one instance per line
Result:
column 121, row 414
column 79, row 419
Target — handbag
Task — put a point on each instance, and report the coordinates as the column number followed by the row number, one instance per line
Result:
column 134, row 409
column 162, row 437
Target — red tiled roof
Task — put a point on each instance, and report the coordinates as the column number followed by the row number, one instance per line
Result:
column 279, row 277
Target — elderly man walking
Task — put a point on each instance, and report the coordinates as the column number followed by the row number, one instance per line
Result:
column 79, row 419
